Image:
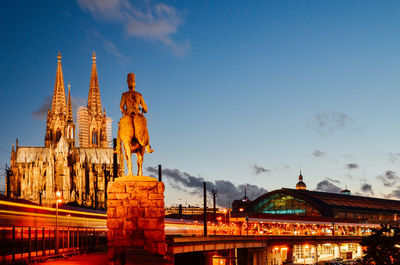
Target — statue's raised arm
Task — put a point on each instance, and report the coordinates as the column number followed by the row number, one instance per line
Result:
column 132, row 130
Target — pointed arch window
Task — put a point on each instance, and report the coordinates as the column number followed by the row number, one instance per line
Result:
column 94, row 137
column 58, row 134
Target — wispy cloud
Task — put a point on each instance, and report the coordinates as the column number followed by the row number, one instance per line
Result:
column 318, row 153
column 328, row 186
column 352, row 166
column 108, row 45
column 333, row 180
column 389, row 178
column 41, row 112
column 143, row 19
column 329, row 122
column 227, row 191
column 260, row 170
column 367, row 188
column 394, row 157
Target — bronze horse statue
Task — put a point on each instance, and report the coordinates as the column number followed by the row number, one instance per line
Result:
column 126, row 133
column 132, row 130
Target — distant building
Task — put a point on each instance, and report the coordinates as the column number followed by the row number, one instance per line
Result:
column 301, row 203
column 81, row 173
column 313, row 213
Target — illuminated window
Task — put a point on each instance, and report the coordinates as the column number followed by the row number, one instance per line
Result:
column 286, row 204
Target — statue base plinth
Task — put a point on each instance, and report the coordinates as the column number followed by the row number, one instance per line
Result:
column 135, row 217
column 134, row 178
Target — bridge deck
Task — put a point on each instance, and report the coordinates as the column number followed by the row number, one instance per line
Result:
column 192, row 244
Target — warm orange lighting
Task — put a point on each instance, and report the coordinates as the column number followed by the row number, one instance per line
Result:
column 241, row 209
column 58, row 193
column 7, row 203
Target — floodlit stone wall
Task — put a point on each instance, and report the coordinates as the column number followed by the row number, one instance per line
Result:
column 135, row 216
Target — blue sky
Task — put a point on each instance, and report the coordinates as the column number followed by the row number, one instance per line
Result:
column 238, row 91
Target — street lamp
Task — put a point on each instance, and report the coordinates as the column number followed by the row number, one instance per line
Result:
column 225, row 215
column 247, row 219
column 58, row 200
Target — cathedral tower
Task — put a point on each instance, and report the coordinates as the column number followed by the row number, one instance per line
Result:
column 92, row 121
column 58, row 118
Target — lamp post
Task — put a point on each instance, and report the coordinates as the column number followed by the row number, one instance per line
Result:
column 225, row 216
column 58, row 200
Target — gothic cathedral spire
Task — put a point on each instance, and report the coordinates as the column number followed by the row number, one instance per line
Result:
column 94, row 100
column 58, row 106
column 94, row 128
column 70, row 128
column 59, row 118
column 69, row 107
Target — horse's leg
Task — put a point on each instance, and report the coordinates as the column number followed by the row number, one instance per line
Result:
column 140, row 154
column 127, row 148
column 118, row 147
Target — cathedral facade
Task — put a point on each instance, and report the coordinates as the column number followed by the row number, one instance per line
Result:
column 80, row 170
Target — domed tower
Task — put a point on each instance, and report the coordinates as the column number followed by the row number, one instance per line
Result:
column 301, row 185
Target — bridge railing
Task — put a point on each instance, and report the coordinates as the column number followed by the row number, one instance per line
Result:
column 28, row 243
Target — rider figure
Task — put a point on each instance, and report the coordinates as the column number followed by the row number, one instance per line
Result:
column 131, row 102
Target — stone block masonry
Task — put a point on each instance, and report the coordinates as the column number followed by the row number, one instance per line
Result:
column 135, row 217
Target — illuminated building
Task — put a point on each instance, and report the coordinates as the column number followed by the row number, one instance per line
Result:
column 301, row 185
column 82, row 172
column 303, row 212
column 316, row 205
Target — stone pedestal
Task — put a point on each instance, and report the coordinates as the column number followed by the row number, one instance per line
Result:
column 135, row 218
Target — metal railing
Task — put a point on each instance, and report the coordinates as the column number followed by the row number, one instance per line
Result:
column 28, row 243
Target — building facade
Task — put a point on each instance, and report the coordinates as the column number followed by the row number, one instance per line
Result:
column 81, row 172
column 302, row 212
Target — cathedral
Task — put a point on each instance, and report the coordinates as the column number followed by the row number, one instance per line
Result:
column 79, row 169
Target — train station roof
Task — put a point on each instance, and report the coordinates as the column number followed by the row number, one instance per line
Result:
column 315, row 203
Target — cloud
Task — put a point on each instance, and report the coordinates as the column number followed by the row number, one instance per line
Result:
column 389, row 179
column 394, row 157
column 367, row 188
column 352, row 166
column 318, row 153
column 108, row 45
column 328, row 186
column 260, row 170
column 329, row 122
column 226, row 190
column 395, row 193
column 333, row 180
column 41, row 112
column 151, row 22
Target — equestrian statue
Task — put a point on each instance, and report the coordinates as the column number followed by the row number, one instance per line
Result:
column 132, row 130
